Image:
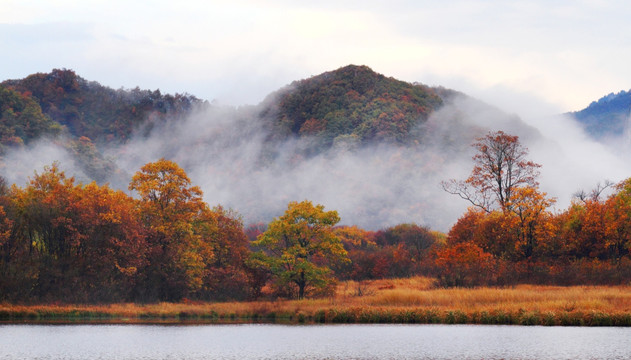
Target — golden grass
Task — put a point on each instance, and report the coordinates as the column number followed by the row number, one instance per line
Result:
column 396, row 300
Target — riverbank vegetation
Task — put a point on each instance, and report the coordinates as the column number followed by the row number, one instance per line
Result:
column 410, row 300
column 66, row 242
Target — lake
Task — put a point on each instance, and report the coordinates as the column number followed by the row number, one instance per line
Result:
column 311, row 342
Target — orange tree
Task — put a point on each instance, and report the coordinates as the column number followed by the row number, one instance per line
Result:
column 512, row 222
column 172, row 213
column 299, row 247
column 70, row 241
column 464, row 264
column 618, row 216
column 500, row 167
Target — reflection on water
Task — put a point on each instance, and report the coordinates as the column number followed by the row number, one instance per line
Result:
column 311, row 342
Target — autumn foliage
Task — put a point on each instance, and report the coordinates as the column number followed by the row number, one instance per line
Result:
column 60, row 240
column 64, row 241
column 512, row 230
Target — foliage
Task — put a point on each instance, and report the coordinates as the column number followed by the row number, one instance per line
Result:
column 464, row 264
column 500, row 167
column 60, row 240
column 170, row 210
column 95, row 111
column 68, row 238
column 299, row 247
column 352, row 104
column 22, row 120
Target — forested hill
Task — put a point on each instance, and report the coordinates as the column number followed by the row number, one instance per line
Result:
column 105, row 130
column 351, row 105
column 370, row 146
column 608, row 116
column 82, row 117
column 88, row 109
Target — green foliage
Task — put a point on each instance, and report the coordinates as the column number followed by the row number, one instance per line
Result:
column 22, row 120
column 98, row 112
column 299, row 247
column 91, row 160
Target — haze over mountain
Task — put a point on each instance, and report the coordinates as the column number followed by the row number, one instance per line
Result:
column 372, row 147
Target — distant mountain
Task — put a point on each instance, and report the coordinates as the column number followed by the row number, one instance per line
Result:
column 350, row 106
column 607, row 117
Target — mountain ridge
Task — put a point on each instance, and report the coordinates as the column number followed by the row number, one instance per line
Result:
column 607, row 117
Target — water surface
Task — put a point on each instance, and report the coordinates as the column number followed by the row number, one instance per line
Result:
column 312, row 342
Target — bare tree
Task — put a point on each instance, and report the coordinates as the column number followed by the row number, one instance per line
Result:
column 500, row 167
column 593, row 195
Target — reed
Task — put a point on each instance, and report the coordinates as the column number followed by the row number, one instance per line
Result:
column 414, row 300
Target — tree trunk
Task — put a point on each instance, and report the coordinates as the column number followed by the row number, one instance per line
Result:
column 301, row 286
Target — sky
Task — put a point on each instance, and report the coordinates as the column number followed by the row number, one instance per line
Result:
column 527, row 57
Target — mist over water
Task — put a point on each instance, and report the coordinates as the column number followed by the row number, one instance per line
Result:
column 223, row 151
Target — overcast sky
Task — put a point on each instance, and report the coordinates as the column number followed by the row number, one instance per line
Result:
column 523, row 56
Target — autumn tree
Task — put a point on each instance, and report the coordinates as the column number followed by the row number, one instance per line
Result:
column 22, row 120
column 418, row 239
column 300, row 246
column 170, row 209
column 228, row 273
column 464, row 264
column 618, row 222
column 72, row 241
column 500, row 167
column 531, row 206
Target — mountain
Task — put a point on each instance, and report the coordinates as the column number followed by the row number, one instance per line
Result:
column 608, row 117
column 82, row 116
column 352, row 105
column 86, row 108
column 370, row 146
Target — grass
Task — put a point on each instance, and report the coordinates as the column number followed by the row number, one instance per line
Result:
column 414, row 300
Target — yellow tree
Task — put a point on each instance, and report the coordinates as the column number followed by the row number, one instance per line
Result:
column 171, row 210
column 531, row 206
column 299, row 247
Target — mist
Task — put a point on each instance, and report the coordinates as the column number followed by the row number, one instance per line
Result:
column 19, row 165
column 223, row 149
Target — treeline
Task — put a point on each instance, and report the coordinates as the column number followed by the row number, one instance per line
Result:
column 585, row 244
column 69, row 242
column 510, row 235
column 63, row 241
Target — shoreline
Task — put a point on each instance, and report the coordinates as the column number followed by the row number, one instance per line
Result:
column 71, row 315
column 388, row 301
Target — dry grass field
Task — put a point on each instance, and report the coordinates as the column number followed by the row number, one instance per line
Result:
column 413, row 300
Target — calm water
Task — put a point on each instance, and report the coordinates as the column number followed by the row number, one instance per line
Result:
column 311, row 342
